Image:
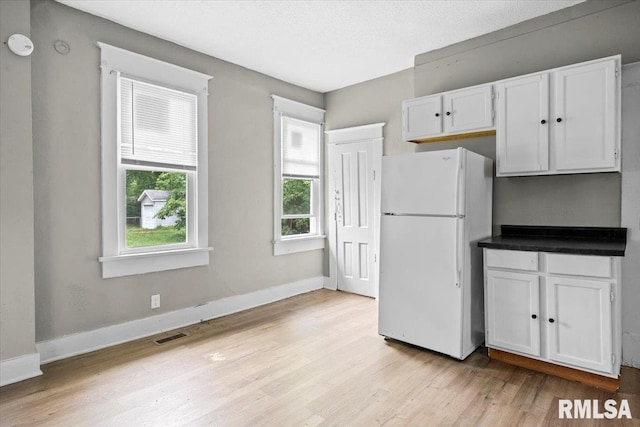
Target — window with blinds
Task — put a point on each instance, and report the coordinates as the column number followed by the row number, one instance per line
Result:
column 300, row 149
column 158, row 126
column 154, row 153
column 158, row 137
column 300, row 176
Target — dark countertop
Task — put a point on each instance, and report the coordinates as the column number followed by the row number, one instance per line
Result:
column 606, row 241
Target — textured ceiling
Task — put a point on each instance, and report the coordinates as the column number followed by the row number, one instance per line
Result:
column 320, row 45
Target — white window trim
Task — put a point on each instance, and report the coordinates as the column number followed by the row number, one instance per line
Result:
column 287, row 245
column 115, row 262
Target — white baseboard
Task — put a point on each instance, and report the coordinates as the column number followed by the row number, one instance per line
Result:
column 85, row 342
column 19, row 368
column 326, row 283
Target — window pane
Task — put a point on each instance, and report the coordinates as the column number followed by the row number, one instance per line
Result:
column 296, row 196
column 293, row 226
column 156, row 208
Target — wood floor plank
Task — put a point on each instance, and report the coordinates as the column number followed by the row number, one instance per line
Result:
column 311, row 360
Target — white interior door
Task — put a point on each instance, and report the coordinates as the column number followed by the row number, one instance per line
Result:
column 353, row 167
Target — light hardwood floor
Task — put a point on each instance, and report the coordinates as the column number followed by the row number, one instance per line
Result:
column 314, row 359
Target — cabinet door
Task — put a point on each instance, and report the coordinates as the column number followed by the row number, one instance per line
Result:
column 585, row 108
column 468, row 109
column 579, row 323
column 513, row 318
column 522, row 135
column 422, row 117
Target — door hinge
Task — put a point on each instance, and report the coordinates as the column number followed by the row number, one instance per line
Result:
column 613, row 359
column 612, row 296
column 615, row 154
column 617, row 71
column 375, row 258
column 374, row 175
column 335, row 216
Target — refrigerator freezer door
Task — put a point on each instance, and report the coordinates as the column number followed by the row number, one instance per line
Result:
column 422, row 183
column 419, row 302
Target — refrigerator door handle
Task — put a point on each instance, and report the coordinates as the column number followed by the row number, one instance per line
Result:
column 457, row 255
column 460, row 182
column 457, row 195
column 458, row 169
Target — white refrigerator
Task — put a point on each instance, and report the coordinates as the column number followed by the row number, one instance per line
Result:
column 435, row 206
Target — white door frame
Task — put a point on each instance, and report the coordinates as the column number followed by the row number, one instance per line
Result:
column 368, row 133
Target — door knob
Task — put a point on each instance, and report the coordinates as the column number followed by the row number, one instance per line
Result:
column 437, row 114
column 448, row 113
column 533, row 316
column 543, row 121
column 551, row 320
column 558, row 120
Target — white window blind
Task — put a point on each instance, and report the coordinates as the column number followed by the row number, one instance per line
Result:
column 300, row 148
column 158, row 125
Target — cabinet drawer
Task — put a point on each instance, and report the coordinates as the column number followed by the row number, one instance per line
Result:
column 579, row 265
column 517, row 260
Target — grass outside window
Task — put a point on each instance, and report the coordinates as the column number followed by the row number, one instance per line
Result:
column 139, row 237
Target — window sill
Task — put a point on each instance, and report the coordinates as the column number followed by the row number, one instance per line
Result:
column 298, row 244
column 149, row 262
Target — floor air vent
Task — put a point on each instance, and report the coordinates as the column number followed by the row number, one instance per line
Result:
column 171, row 338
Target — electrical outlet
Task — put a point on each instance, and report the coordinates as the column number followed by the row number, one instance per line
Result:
column 155, row 301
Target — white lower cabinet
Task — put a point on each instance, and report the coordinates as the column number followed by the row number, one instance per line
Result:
column 512, row 311
column 570, row 319
column 579, row 323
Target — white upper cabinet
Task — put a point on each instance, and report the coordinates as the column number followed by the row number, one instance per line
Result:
column 522, row 136
column 585, row 117
column 468, row 110
column 422, row 117
column 565, row 120
column 458, row 112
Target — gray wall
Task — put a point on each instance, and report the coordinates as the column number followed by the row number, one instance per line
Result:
column 70, row 294
column 17, row 320
column 587, row 31
column 374, row 101
column 631, row 213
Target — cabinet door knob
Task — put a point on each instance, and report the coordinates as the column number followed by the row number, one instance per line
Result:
column 558, row 120
column 551, row 320
column 448, row 113
column 534, row 316
column 437, row 114
column 543, row 121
